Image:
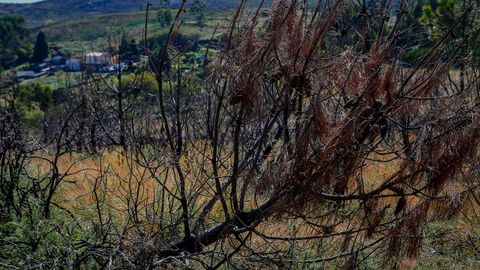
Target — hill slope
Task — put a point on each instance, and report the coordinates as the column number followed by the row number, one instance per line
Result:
column 57, row 10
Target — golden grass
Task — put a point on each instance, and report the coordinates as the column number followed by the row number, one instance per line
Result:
column 120, row 180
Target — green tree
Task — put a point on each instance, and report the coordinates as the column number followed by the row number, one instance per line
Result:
column 198, row 9
column 128, row 51
column 36, row 94
column 41, row 48
column 415, row 36
column 124, row 49
column 24, row 53
column 459, row 20
column 134, row 48
column 14, row 42
column 164, row 17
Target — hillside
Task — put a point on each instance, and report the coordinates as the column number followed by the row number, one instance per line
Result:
column 78, row 35
column 56, row 10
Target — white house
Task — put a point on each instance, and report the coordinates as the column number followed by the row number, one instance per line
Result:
column 98, row 58
column 73, row 64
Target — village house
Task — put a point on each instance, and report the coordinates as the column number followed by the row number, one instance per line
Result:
column 99, row 61
column 96, row 62
column 73, row 65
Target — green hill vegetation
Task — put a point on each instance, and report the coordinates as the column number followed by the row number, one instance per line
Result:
column 15, row 46
column 60, row 10
column 79, row 36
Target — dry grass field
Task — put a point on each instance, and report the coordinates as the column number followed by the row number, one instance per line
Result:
column 113, row 180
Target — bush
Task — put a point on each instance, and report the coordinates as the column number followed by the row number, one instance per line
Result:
column 37, row 94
